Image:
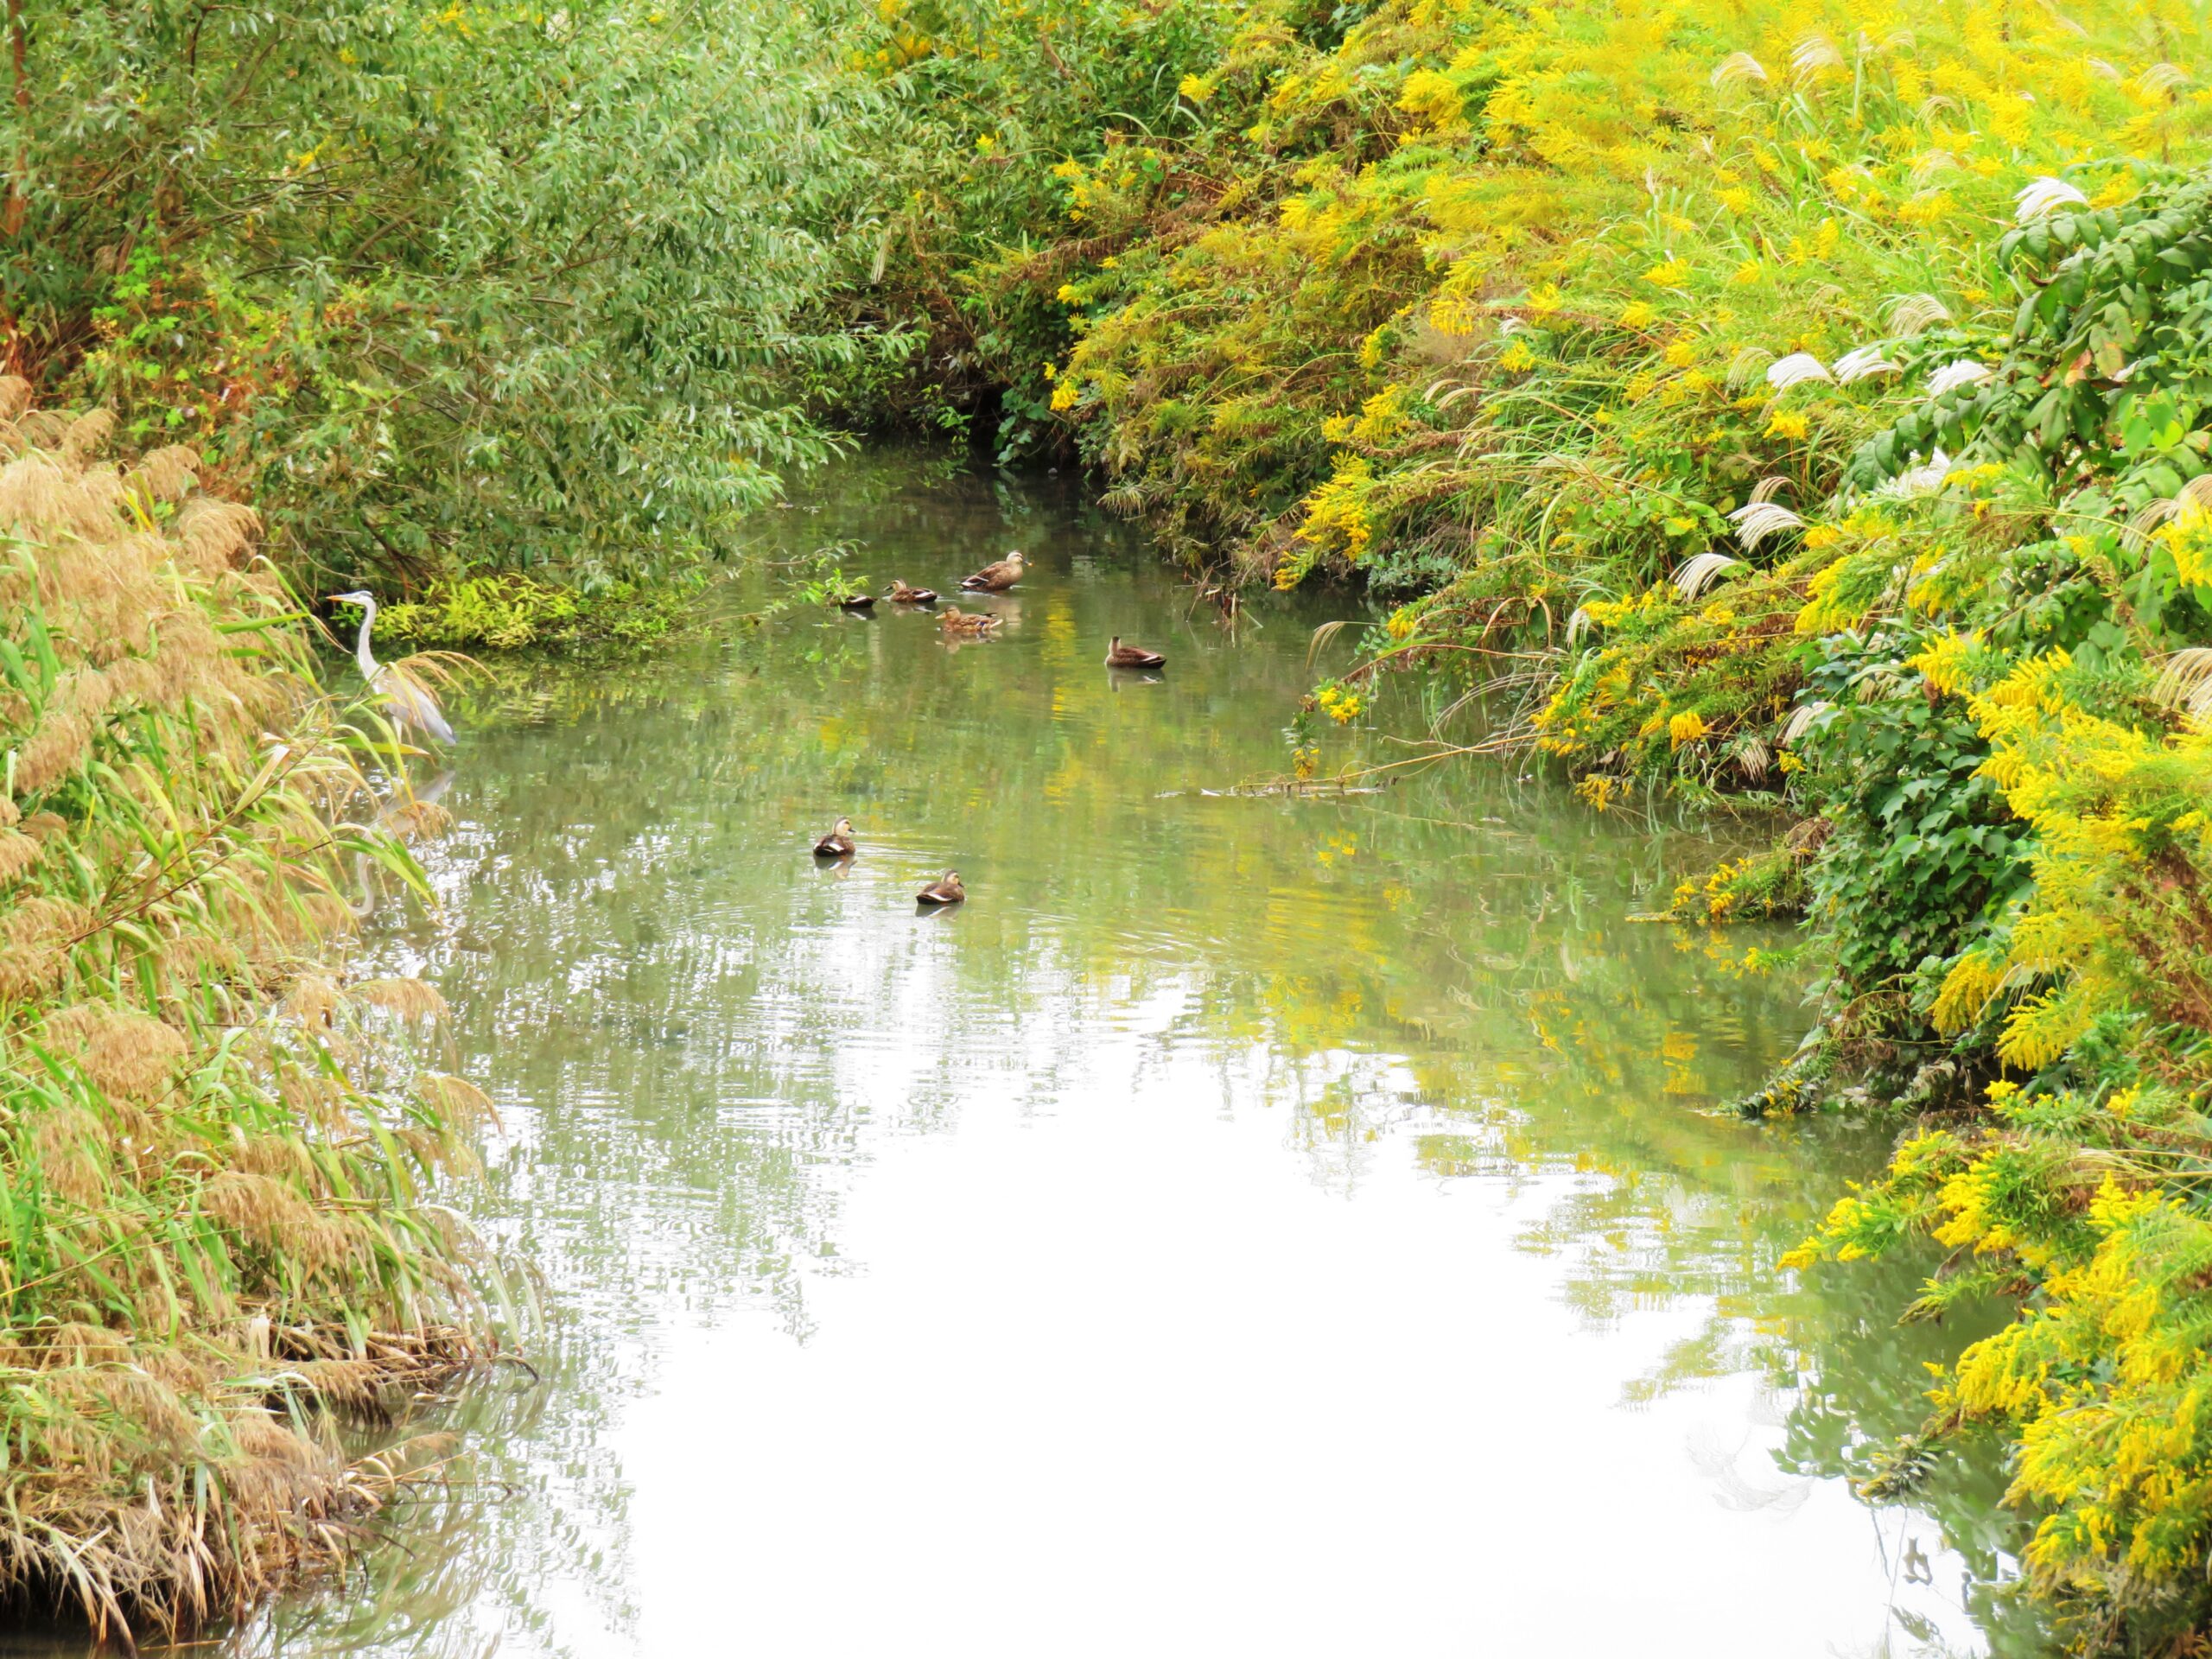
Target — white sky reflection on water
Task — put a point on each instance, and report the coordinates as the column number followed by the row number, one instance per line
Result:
column 1249, row 1226
column 1124, row 1375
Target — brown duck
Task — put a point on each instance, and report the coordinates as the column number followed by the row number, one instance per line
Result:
column 902, row 594
column 838, row 844
column 1121, row 656
column 976, row 625
column 945, row 890
column 996, row 578
column 857, row 602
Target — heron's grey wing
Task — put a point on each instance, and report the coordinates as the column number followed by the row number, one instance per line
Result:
column 413, row 705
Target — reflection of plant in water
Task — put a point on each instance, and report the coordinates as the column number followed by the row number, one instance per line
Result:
column 819, row 578
column 420, row 1598
column 1550, row 1043
column 688, row 1023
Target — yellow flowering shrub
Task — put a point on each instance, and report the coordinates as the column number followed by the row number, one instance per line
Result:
column 1815, row 391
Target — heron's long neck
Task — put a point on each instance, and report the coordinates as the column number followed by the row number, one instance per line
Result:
column 361, row 646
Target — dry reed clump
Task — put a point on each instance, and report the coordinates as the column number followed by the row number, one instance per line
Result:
column 210, row 1152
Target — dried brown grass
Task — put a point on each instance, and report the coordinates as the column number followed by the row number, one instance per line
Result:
column 211, row 1153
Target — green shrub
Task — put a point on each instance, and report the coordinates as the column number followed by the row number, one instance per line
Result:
column 446, row 289
column 517, row 613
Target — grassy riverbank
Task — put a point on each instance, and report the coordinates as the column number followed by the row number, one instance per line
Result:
column 211, row 1144
column 1791, row 407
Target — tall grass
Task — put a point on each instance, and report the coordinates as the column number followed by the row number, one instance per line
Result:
column 214, row 1239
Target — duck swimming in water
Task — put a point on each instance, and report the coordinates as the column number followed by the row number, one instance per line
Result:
column 838, row 844
column 902, row 594
column 945, row 890
column 996, row 578
column 1121, row 656
column 976, row 625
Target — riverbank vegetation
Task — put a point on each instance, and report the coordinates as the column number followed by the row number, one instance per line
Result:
column 211, row 1146
column 1792, row 406
column 455, row 294
column 1797, row 407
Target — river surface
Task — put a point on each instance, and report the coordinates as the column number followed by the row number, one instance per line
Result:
column 1251, row 1224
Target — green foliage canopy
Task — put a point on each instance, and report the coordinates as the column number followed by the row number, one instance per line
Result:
column 447, row 289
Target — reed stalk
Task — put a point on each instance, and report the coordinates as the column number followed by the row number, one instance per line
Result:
column 215, row 1240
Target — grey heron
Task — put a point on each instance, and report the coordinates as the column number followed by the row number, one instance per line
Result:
column 413, row 707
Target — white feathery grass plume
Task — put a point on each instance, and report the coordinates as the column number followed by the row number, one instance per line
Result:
column 2108, row 71
column 2160, row 78
column 1932, row 164
column 1920, row 480
column 1752, row 756
column 1578, row 624
column 1800, row 721
column 1436, row 394
column 1915, row 314
column 2040, row 197
column 1697, row 574
column 1746, row 363
column 1738, row 65
column 1813, row 55
column 1757, row 521
column 1769, row 487
column 2185, row 681
column 1865, row 362
column 1964, row 371
column 2144, row 522
column 2190, row 503
column 1791, row 371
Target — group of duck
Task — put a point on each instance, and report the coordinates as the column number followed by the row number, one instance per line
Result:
column 994, row 578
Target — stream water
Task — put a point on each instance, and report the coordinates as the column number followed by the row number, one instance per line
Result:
column 1249, row 1224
